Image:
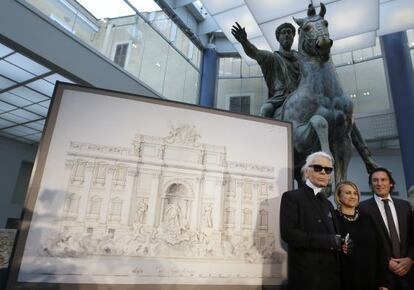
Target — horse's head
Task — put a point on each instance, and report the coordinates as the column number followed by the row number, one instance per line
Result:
column 314, row 35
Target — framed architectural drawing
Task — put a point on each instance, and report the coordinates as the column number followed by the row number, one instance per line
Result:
column 144, row 193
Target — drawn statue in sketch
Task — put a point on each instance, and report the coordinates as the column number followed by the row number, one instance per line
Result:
column 183, row 134
column 207, row 214
column 173, row 217
column 140, row 212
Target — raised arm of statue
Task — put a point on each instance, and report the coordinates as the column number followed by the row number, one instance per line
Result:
column 241, row 36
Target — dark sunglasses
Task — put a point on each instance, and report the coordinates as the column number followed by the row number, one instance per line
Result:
column 319, row 168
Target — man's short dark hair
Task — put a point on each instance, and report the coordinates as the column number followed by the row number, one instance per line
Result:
column 381, row 169
column 284, row 25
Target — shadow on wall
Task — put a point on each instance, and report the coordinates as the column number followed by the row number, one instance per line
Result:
column 48, row 202
column 48, row 239
column 268, row 241
column 275, row 254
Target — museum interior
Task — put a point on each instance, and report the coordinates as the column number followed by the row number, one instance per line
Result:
column 183, row 50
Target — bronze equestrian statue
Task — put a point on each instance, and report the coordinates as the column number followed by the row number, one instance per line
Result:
column 319, row 110
column 280, row 68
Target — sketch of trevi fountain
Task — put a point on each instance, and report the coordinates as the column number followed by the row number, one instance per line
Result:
column 164, row 197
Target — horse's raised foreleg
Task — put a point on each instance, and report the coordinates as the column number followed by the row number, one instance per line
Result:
column 362, row 149
column 316, row 129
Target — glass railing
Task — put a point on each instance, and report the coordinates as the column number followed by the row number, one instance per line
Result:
column 138, row 36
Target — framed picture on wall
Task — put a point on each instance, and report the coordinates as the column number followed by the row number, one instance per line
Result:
column 131, row 192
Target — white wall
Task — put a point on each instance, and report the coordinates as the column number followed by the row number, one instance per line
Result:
column 11, row 156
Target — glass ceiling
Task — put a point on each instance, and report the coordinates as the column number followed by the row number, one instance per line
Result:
column 353, row 24
column 117, row 8
column 26, row 89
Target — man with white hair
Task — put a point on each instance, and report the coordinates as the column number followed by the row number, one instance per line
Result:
column 308, row 225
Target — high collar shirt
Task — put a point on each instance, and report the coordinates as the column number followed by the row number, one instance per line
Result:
column 381, row 208
column 315, row 189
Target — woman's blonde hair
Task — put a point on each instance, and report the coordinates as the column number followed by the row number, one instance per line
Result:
column 339, row 187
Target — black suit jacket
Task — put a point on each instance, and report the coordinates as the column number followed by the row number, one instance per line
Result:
column 309, row 231
column 405, row 224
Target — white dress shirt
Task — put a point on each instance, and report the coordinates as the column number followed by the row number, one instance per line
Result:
column 380, row 205
column 316, row 189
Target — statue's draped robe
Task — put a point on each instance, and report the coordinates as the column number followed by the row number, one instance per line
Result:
column 281, row 72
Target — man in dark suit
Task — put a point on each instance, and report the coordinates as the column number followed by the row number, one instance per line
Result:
column 308, row 225
column 394, row 220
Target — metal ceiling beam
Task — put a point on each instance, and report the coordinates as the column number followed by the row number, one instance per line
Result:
column 182, row 17
column 180, row 3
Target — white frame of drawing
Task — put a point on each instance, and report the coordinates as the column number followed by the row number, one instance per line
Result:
column 217, row 169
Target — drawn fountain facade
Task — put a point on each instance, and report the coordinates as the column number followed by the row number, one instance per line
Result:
column 165, row 197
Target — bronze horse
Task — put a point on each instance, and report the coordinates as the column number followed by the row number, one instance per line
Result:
column 320, row 111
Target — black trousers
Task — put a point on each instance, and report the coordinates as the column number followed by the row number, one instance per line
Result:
column 402, row 283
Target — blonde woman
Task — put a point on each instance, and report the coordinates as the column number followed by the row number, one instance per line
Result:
column 361, row 268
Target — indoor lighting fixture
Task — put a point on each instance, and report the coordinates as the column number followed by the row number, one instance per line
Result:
column 355, row 42
column 396, row 16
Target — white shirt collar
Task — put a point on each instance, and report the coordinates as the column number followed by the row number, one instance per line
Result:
column 316, row 189
column 379, row 199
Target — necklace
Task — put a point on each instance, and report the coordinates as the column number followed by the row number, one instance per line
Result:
column 350, row 218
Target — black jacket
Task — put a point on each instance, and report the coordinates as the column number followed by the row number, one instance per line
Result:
column 309, row 226
column 406, row 230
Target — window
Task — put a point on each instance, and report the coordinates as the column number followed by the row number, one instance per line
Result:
column 99, row 174
column 121, row 54
column 263, row 221
column 247, row 190
column 263, row 189
column 78, row 171
column 120, row 176
column 229, row 217
column 71, row 206
column 94, row 206
column 247, row 218
column 116, row 209
column 240, row 104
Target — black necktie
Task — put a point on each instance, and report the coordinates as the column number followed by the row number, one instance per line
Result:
column 393, row 230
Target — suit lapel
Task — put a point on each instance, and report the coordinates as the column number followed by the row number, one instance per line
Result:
column 378, row 217
column 335, row 221
column 400, row 217
column 323, row 215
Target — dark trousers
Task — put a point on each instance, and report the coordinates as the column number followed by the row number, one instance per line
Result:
column 402, row 283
